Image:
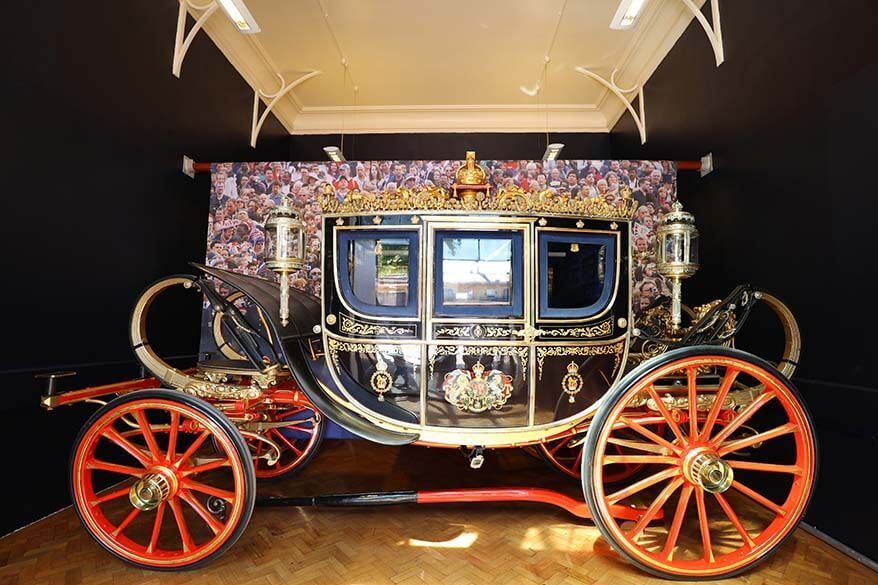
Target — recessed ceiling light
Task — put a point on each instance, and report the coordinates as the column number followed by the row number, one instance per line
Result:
column 237, row 12
column 552, row 151
column 334, row 153
column 627, row 14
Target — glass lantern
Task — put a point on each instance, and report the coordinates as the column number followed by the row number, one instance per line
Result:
column 285, row 250
column 677, row 253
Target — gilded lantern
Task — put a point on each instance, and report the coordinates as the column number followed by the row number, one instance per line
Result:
column 286, row 249
column 677, row 244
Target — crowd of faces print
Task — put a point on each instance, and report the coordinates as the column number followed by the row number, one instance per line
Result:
column 242, row 195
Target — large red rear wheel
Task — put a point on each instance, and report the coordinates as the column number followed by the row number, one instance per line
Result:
column 152, row 489
column 717, row 499
column 298, row 440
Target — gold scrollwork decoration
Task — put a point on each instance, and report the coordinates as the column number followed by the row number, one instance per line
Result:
column 613, row 349
column 509, row 199
column 601, row 329
column 521, row 352
column 354, row 327
column 478, row 331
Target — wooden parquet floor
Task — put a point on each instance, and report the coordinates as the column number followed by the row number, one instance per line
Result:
column 441, row 544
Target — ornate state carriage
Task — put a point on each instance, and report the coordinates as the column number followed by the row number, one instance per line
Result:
column 472, row 319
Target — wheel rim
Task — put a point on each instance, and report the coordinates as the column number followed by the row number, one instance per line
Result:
column 698, row 522
column 180, row 529
column 295, row 443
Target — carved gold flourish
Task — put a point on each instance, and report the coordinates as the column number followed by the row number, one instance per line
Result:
column 513, row 199
column 477, row 331
column 597, row 330
column 355, row 327
column 613, row 349
column 478, row 350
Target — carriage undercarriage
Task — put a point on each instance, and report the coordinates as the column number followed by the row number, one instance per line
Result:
column 481, row 321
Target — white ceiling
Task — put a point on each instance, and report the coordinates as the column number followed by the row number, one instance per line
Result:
column 446, row 65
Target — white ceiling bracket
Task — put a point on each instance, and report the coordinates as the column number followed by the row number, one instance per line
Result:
column 285, row 88
column 183, row 40
column 715, row 32
column 639, row 117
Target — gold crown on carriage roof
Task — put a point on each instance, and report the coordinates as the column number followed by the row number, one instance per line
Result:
column 471, row 192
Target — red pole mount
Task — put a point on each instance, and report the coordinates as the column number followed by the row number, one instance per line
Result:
column 704, row 166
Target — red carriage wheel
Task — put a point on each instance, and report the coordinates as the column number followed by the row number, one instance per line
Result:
column 715, row 499
column 149, row 487
column 298, row 442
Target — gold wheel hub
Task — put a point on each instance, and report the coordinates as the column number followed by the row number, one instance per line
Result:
column 708, row 471
column 152, row 489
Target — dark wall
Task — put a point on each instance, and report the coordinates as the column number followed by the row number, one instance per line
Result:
column 791, row 120
column 96, row 207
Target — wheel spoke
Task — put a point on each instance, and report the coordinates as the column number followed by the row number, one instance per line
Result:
column 287, row 442
column 209, row 490
column 638, row 445
column 578, row 461
column 742, row 417
column 643, row 459
column 215, row 464
column 113, row 435
column 693, row 402
column 156, row 526
column 556, row 448
column 704, row 525
column 642, row 484
column 733, row 518
column 148, row 436
column 733, row 446
column 769, row 467
column 654, row 508
column 667, row 414
column 716, row 408
column 759, row 498
column 131, row 516
column 172, row 435
column 651, row 435
column 114, row 495
column 182, row 527
column 113, row 467
column 215, row 525
column 192, row 448
column 677, row 523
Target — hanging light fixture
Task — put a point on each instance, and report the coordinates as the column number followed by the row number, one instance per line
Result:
column 240, row 16
column 334, row 154
column 627, row 14
column 552, row 151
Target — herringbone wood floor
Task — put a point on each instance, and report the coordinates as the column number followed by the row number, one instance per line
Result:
column 447, row 544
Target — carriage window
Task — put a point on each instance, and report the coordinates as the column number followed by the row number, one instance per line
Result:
column 477, row 273
column 577, row 274
column 378, row 271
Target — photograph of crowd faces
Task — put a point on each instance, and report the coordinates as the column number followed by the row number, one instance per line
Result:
column 243, row 194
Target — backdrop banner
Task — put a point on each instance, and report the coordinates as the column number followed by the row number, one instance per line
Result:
column 242, row 195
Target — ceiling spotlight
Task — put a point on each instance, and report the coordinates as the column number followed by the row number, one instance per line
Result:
column 552, row 151
column 627, row 14
column 334, row 153
column 237, row 12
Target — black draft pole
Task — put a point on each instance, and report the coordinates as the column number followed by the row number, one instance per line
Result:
column 341, row 500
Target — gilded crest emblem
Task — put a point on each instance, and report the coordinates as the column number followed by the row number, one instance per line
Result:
column 571, row 383
column 380, row 380
column 477, row 390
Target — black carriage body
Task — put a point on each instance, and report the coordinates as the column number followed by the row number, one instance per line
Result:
column 474, row 328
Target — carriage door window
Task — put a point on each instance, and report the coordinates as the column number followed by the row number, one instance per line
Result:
column 378, row 271
column 577, row 274
column 478, row 273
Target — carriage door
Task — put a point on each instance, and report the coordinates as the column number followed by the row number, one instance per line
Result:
column 479, row 308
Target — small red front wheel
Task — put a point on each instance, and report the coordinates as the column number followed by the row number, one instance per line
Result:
column 727, row 481
column 151, row 488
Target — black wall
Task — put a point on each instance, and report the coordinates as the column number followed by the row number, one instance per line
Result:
column 95, row 206
column 791, row 120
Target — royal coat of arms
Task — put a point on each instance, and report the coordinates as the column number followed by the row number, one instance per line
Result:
column 477, row 390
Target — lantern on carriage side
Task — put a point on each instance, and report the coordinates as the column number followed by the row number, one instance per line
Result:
column 286, row 249
column 677, row 253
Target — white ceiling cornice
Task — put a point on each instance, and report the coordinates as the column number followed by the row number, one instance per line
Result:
column 660, row 27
